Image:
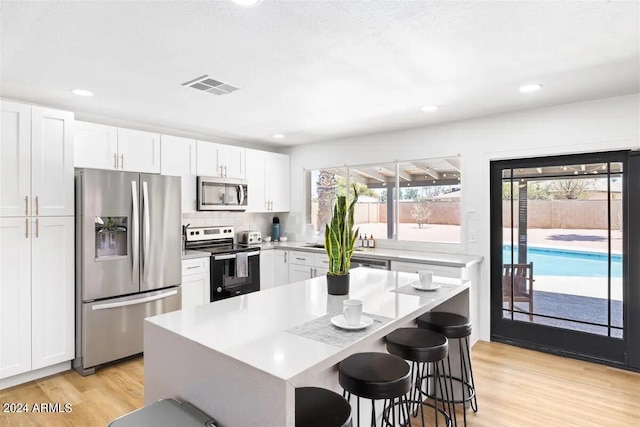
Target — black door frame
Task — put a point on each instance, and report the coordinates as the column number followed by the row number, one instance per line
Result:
column 633, row 246
column 611, row 351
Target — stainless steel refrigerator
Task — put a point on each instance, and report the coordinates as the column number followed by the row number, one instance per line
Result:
column 128, row 260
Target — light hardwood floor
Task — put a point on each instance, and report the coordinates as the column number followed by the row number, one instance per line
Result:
column 516, row 387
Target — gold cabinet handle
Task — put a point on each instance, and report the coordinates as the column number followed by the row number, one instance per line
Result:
column 115, row 161
column 37, row 206
column 122, row 161
column 37, row 228
column 26, row 205
column 26, row 228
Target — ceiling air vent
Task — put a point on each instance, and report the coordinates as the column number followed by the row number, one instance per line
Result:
column 209, row 85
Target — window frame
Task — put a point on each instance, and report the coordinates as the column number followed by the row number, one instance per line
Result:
column 395, row 241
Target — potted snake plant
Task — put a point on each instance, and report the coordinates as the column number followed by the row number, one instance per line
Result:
column 339, row 240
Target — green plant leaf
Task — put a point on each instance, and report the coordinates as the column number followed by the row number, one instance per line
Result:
column 339, row 235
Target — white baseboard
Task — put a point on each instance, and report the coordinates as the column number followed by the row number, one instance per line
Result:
column 34, row 375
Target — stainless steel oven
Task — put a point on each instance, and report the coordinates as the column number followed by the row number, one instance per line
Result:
column 225, row 281
column 234, row 269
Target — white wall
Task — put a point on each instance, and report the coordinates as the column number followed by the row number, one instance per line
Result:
column 601, row 125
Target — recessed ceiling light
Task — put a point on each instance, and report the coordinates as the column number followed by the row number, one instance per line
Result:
column 530, row 88
column 278, row 135
column 247, row 3
column 430, row 108
column 81, row 92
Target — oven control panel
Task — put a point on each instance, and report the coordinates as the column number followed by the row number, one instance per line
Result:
column 195, row 234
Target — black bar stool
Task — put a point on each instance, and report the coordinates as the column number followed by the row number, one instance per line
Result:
column 455, row 326
column 427, row 351
column 377, row 376
column 319, row 407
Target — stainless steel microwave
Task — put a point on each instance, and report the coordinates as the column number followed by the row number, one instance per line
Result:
column 221, row 194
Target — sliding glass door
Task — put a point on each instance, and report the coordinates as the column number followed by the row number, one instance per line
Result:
column 560, row 250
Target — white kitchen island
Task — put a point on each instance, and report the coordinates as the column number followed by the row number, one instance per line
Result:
column 236, row 360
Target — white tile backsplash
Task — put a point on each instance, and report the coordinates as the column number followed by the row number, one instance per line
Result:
column 241, row 221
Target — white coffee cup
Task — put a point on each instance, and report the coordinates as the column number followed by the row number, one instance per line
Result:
column 426, row 279
column 352, row 311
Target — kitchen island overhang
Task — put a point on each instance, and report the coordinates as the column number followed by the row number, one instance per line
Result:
column 238, row 360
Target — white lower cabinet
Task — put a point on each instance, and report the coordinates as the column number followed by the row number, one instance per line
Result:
column 36, row 293
column 320, row 271
column 281, row 267
column 298, row 273
column 15, row 297
column 267, row 269
column 52, row 291
column 307, row 265
column 195, row 282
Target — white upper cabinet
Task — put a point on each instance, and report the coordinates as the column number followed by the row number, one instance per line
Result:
column 15, row 159
column 36, row 155
column 220, row 160
column 138, row 151
column 107, row 147
column 96, row 146
column 51, row 162
column 232, row 161
column 278, row 182
column 268, row 179
column 256, row 181
column 179, row 159
column 207, row 162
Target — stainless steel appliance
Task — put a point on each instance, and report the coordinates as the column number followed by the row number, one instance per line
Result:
column 250, row 237
column 128, row 260
column 221, row 194
column 381, row 264
column 234, row 269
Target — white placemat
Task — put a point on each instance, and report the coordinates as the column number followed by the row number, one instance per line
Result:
column 410, row 290
column 321, row 329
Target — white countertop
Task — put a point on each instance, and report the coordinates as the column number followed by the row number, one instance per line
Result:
column 252, row 328
column 406, row 255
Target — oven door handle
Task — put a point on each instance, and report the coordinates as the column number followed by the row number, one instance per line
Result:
column 232, row 256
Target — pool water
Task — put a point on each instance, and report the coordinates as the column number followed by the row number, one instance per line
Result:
column 562, row 262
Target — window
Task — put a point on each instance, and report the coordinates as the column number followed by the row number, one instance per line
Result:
column 427, row 209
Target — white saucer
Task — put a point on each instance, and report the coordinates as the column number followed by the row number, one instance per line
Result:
column 341, row 323
column 415, row 285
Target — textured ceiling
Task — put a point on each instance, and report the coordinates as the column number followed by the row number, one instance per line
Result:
column 315, row 70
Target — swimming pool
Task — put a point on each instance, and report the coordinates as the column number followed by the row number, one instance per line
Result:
column 563, row 262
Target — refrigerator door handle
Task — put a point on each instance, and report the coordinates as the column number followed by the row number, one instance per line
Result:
column 147, row 228
column 134, row 301
column 135, row 235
